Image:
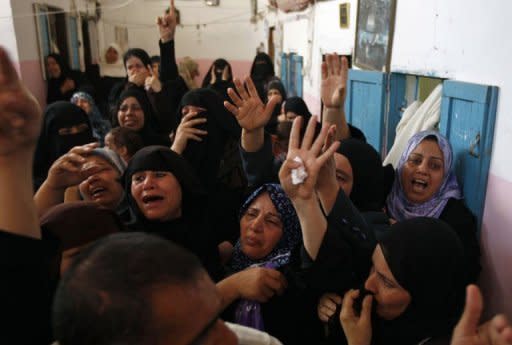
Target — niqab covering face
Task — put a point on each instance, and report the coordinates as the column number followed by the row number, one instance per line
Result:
column 400, row 207
column 65, row 126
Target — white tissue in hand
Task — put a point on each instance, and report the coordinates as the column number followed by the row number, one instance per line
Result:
column 299, row 174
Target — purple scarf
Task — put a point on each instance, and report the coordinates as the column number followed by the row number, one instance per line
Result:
column 400, row 208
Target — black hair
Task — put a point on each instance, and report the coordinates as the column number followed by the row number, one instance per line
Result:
column 155, row 59
column 141, row 54
column 105, row 296
column 125, row 137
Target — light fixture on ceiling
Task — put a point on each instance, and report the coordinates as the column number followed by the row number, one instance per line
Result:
column 212, row 2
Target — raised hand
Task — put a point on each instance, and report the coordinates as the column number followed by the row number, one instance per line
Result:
column 334, row 81
column 327, row 306
column 68, row 170
column 249, row 110
column 358, row 329
column 152, row 83
column 497, row 331
column 167, row 24
column 20, row 114
column 186, row 131
column 310, row 152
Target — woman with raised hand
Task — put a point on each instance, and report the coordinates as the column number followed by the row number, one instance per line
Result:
column 411, row 306
column 65, row 126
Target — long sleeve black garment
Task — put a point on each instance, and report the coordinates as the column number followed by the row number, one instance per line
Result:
column 262, row 167
column 168, row 66
column 27, row 289
column 346, row 250
column 54, row 93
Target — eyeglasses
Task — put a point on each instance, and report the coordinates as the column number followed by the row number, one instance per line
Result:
column 134, row 107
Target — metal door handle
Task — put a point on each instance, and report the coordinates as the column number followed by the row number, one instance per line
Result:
column 473, row 145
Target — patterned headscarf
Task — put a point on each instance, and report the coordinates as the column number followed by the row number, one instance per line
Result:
column 292, row 234
column 100, row 126
column 397, row 204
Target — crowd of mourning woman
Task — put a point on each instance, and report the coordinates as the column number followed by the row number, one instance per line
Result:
column 143, row 209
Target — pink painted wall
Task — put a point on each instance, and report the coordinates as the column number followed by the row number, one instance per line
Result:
column 495, row 240
column 33, row 79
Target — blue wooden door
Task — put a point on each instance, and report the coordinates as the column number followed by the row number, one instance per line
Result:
column 365, row 104
column 284, row 69
column 468, row 112
column 74, row 43
column 397, row 104
column 295, row 88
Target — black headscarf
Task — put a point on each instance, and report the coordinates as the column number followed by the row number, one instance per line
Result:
column 53, row 84
column 148, row 132
column 262, row 67
column 51, row 145
column 262, row 70
column 205, row 156
column 298, row 106
column 369, row 190
column 191, row 230
column 141, row 54
column 426, row 258
column 161, row 158
column 276, row 84
column 218, row 64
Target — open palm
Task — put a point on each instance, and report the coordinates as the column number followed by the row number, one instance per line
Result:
column 249, row 110
column 334, row 80
column 312, row 157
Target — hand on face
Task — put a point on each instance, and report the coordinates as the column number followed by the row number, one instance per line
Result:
column 358, row 329
column 137, row 78
column 67, row 170
column 20, row 114
column 186, row 131
column 249, row 110
column 260, row 284
column 310, row 152
column 68, row 85
column 334, row 81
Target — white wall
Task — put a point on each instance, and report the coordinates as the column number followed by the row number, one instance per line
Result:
column 315, row 33
column 7, row 29
column 207, row 32
column 462, row 40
